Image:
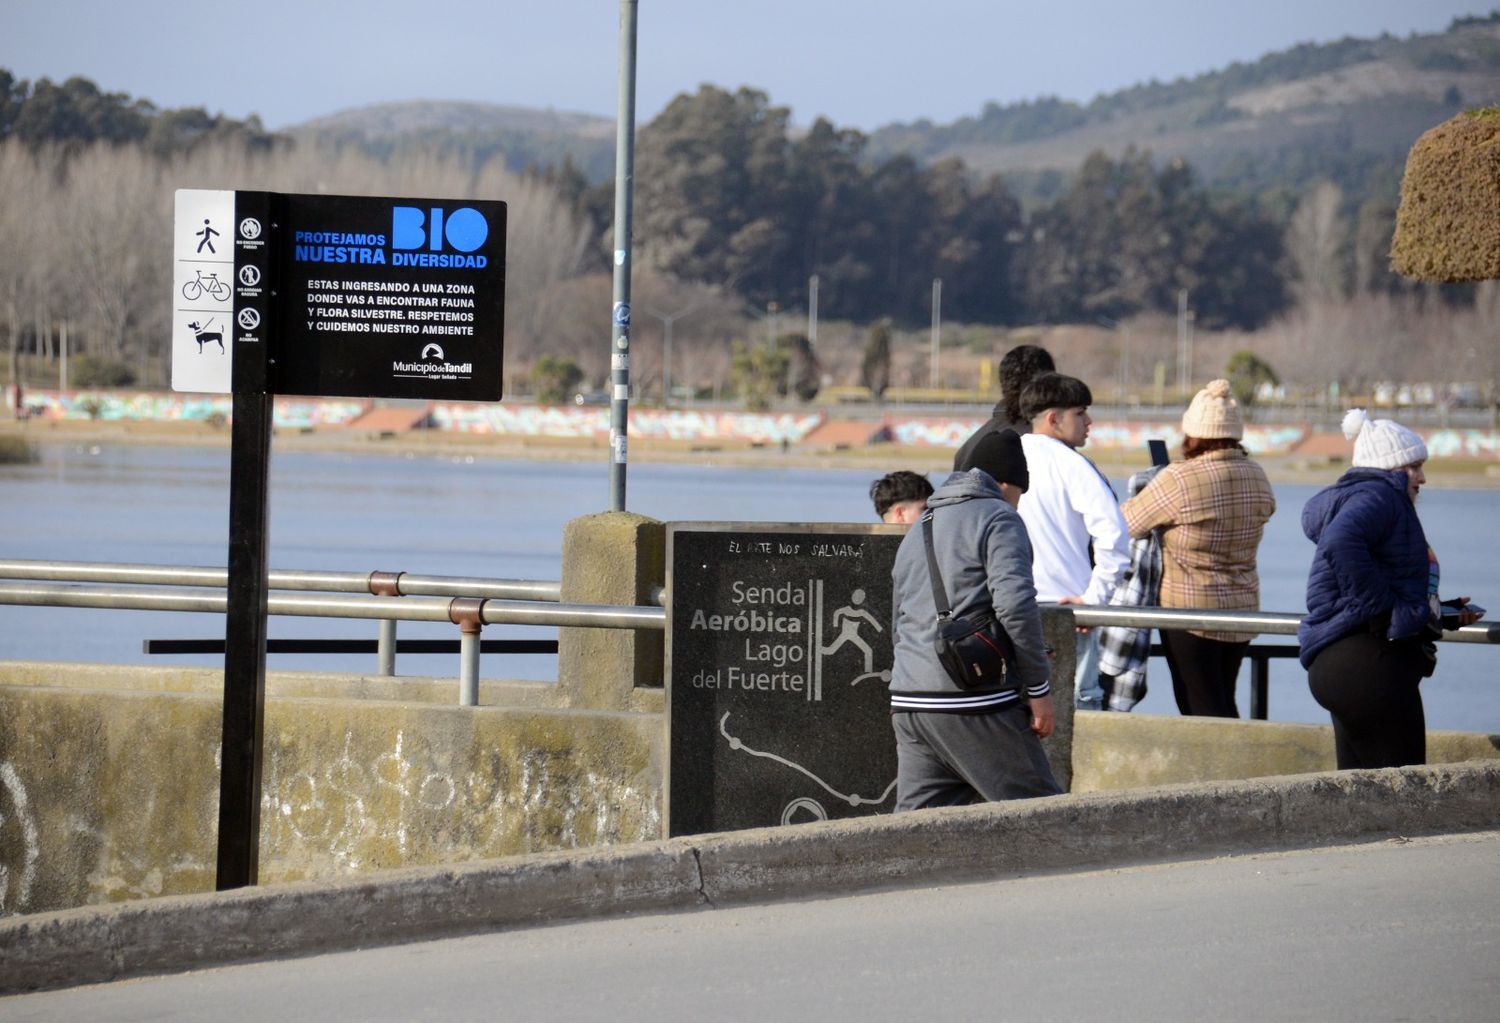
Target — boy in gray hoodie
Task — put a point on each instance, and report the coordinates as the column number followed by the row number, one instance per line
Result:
column 954, row 745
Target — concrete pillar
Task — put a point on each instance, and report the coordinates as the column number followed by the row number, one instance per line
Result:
column 610, row 558
column 1057, row 627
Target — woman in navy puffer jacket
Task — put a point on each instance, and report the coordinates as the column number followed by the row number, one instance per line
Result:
column 1372, row 605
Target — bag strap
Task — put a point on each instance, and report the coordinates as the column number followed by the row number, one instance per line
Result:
column 939, row 598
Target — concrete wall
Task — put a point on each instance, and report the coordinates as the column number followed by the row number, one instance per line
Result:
column 109, row 775
column 109, row 778
column 1131, row 751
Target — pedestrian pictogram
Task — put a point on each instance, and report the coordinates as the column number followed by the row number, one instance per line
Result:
column 207, row 235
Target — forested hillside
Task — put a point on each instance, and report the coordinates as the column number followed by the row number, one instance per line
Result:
column 1344, row 112
column 1107, row 214
column 527, row 139
column 78, row 113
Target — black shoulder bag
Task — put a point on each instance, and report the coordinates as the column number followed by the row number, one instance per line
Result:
column 973, row 649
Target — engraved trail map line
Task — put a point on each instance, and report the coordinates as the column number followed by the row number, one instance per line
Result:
column 852, row 800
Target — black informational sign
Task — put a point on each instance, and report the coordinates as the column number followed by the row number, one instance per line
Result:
column 389, row 297
column 332, row 295
column 778, row 668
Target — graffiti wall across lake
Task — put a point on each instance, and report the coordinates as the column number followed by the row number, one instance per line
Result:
column 517, row 419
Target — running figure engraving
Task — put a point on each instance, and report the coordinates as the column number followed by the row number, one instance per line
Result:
column 194, row 289
column 202, row 335
column 849, row 619
column 207, row 234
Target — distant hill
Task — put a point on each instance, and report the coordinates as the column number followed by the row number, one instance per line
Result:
column 1348, row 110
column 526, row 136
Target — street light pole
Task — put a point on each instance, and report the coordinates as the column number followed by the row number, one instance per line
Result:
column 619, row 356
column 1184, row 342
column 812, row 311
column 667, row 319
column 1124, row 332
column 937, row 331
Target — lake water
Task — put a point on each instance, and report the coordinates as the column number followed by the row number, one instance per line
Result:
column 469, row 516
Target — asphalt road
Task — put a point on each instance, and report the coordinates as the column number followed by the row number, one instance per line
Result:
column 1398, row 930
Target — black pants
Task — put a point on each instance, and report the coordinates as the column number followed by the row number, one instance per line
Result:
column 1369, row 685
column 1204, row 673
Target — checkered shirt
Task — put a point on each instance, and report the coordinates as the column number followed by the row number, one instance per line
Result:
column 1123, row 649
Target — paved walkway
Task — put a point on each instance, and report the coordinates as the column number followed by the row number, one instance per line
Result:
column 1394, row 930
column 1023, row 838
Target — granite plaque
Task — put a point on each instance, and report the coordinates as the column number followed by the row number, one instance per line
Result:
column 778, row 667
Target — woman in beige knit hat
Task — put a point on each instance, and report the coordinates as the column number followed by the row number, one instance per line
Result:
column 1211, row 508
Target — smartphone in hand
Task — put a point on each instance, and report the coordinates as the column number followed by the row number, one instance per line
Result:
column 1452, row 609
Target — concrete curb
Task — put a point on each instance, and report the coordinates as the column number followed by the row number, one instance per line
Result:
column 112, row 942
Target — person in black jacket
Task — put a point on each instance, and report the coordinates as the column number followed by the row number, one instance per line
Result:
column 1018, row 367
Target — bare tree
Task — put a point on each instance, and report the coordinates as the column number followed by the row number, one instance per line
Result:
column 114, row 241
column 1317, row 241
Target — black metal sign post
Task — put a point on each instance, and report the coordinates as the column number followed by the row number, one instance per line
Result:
column 336, row 295
column 249, row 527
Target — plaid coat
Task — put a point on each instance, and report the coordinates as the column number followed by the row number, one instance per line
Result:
column 1212, row 511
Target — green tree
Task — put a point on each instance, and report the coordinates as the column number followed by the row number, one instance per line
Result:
column 710, row 172
column 977, row 258
column 554, row 378
column 1126, row 238
column 1246, row 372
column 12, row 95
column 804, row 374
column 76, row 111
column 757, row 373
column 829, row 205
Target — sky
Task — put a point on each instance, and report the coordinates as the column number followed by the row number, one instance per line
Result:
column 860, row 63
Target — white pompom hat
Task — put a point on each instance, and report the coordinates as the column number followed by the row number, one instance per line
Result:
column 1381, row 443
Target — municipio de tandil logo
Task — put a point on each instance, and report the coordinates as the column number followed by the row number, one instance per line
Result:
column 433, row 365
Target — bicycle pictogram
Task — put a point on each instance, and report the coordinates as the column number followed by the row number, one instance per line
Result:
column 210, row 283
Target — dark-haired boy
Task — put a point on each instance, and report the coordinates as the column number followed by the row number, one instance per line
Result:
column 900, row 497
column 1078, row 535
column 1018, row 367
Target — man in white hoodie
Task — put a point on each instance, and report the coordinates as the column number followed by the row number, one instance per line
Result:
column 1078, row 536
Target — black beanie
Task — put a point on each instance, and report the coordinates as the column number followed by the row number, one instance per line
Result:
column 1000, row 454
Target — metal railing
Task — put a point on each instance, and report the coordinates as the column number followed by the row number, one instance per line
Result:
column 468, row 603
column 401, row 584
column 1259, row 622
column 1259, row 655
column 472, row 603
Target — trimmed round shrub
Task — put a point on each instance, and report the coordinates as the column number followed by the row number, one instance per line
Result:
column 1448, row 224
